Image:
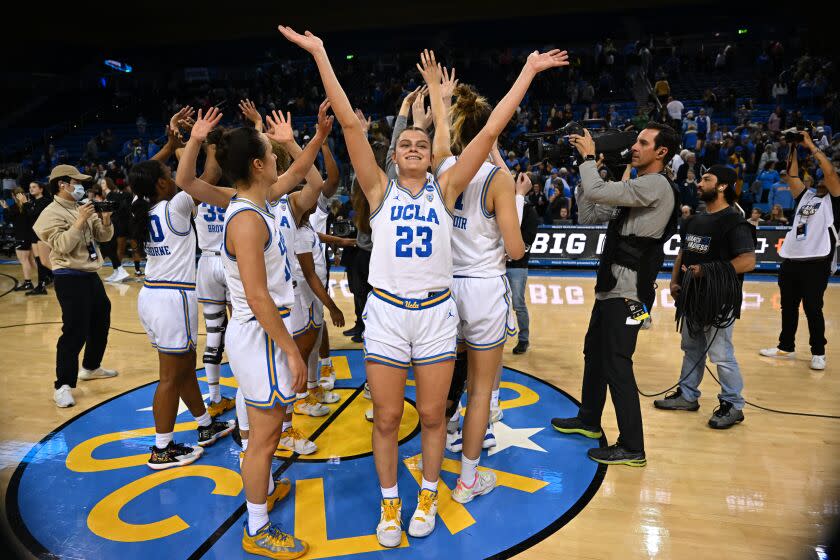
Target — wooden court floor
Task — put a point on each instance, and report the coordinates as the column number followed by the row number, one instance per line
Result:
column 765, row 489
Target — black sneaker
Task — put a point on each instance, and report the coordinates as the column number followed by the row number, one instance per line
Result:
column 138, row 272
column 725, row 416
column 676, row 401
column 521, row 347
column 208, row 435
column 575, row 426
column 358, row 337
column 173, row 455
column 353, row 331
column 49, row 280
column 235, row 435
column 617, row 455
column 25, row 287
column 39, row 290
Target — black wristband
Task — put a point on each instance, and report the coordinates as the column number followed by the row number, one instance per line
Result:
column 590, row 157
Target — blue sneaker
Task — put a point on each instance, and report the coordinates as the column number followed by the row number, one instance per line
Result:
column 455, row 441
column 489, row 438
column 272, row 542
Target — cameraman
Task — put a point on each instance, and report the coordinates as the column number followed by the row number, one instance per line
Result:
column 73, row 231
column 810, row 257
column 642, row 213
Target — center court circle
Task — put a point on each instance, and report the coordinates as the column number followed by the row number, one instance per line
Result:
column 112, row 505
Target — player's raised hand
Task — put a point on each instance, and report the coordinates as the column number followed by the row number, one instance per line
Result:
column 279, row 127
column 555, row 58
column 205, row 124
column 325, row 122
column 308, row 42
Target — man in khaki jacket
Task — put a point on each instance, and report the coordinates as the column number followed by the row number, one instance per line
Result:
column 73, row 231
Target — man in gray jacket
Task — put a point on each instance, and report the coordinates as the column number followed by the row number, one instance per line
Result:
column 641, row 213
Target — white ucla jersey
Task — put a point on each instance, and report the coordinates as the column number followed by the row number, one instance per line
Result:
column 282, row 210
column 477, row 247
column 277, row 269
column 318, row 217
column 210, row 225
column 307, row 241
column 170, row 247
column 412, row 242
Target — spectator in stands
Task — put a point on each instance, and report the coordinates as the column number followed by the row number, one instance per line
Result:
column 774, row 121
column 755, row 217
column 563, row 218
column 549, row 182
column 768, row 176
column 690, row 138
column 779, row 91
column 685, row 213
column 769, row 156
column 662, row 90
column 777, row 216
column 538, row 200
column 780, row 194
column 675, row 112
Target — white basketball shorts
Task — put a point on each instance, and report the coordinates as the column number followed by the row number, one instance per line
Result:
column 402, row 332
column 169, row 316
column 210, row 279
column 258, row 364
column 487, row 315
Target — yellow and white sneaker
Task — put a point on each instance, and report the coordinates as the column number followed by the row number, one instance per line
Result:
column 272, row 542
column 484, row 483
column 218, row 408
column 292, row 440
column 369, row 414
column 776, row 353
column 389, row 530
column 310, row 406
column 423, row 521
column 327, row 378
column 366, row 391
column 496, row 413
column 282, row 487
column 325, row 396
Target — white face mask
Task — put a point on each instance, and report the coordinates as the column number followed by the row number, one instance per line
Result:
column 78, row 192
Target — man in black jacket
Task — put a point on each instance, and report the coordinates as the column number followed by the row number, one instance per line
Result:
column 517, row 271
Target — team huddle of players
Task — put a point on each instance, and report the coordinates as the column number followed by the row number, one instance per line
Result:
column 439, row 292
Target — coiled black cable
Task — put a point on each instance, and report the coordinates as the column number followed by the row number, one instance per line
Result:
column 711, row 299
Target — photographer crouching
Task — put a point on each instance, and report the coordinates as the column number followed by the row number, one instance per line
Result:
column 717, row 248
column 73, row 232
column 642, row 213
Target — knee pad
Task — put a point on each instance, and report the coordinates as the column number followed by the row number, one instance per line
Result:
column 458, row 385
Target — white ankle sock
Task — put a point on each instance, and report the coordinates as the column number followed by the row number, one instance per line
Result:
column 257, row 516
column 390, row 493
column 468, row 470
column 204, row 420
column 325, row 362
column 311, row 385
column 301, row 396
column 215, row 393
column 494, row 398
column 162, row 440
column 429, row 485
column 244, row 445
column 287, row 425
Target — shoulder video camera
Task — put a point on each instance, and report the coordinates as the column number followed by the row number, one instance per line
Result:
column 554, row 146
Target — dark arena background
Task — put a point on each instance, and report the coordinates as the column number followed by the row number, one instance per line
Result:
column 95, row 86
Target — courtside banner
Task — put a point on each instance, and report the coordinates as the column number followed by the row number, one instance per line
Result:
column 581, row 246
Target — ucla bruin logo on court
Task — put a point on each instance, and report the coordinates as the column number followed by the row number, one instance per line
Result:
column 85, row 492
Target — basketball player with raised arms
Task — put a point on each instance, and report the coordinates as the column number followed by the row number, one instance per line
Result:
column 410, row 317
column 263, row 356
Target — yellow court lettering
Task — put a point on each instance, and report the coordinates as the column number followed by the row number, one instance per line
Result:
column 311, row 525
column 104, row 519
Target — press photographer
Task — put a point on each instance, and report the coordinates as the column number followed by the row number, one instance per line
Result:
column 642, row 214
column 717, row 248
column 73, row 231
column 809, row 252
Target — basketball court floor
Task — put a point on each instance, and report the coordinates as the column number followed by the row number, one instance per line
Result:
column 74, row 483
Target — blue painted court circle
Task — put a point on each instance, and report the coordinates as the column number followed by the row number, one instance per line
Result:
column 84, row 491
